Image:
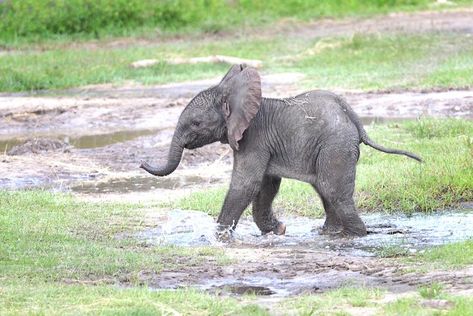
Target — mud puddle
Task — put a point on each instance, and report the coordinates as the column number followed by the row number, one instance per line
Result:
column 303, row 261
column 413, row 233
column 142, row 184
column 105, row 139
column 81, row 142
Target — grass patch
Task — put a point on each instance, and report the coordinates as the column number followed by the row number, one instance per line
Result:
column 391, row 183
column 356, row 300
column 52, row 247
column 388, row 182
column 47, row 236
column 60, row 299
column 455, row 255
column 431, row 291
column 454, row 72
column 392, row 251
column 459, row 306
column 335, row 301
column 366, row 62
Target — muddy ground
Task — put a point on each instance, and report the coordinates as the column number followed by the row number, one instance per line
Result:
column 107, row 131
column 91, row 140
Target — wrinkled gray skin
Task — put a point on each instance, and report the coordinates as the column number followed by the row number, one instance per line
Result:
column 313, row 137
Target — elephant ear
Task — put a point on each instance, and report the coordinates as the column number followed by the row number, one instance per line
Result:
column 242, row 100
column 234, row 70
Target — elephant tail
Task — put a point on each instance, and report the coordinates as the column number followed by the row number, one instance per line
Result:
column 364, row 136
column 367, row 141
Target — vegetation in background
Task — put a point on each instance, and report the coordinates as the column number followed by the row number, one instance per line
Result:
column 368, row 62
column 39, row 19
column 388, row 182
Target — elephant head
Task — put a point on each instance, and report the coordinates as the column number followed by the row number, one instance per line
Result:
column 220, row 113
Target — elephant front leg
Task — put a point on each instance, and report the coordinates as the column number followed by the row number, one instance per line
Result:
column 248, row 172
column 236, row 201
column 262, row 212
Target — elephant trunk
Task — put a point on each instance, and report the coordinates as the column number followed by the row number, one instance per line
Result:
column 174, row 158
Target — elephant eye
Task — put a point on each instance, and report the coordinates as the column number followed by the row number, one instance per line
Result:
column 196, row 123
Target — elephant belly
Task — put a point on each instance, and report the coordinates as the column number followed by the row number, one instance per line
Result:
column 283, row 170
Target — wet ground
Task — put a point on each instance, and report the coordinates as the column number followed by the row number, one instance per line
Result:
column 303, row 261
column 106, row 132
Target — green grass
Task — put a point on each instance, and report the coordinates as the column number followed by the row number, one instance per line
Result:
column 454, row 72
column 455, row 255
column 36, row 20
column 377, row 62
column 363, row 300
column 388, row 182
column 60, row 256
column 62, row 299
column 367, row 62
column 47, row 236
column 335, row 301
column 392, row 251
column 431, row 291
column 412, row 306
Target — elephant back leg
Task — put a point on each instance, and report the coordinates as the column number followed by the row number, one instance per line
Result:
column 335, row 182
column 333, row 224
column 262, row 211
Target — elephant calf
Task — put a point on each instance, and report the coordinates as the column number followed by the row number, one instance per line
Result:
column 313, row 137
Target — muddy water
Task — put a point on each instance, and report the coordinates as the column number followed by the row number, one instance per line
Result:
column 411, row 233
column 101, row 140
column 85, row 141
column 303, row 261
column 141, row 184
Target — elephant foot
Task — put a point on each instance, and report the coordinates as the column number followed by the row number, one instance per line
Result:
column 279, row 229
column 224, row 233
column 354, row 232
column 358, row 230
column 339, row 231
column 330, row 229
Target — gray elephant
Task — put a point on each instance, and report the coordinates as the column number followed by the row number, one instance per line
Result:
column 313, row 137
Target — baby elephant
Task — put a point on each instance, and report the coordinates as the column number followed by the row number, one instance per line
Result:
column 313, row 137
